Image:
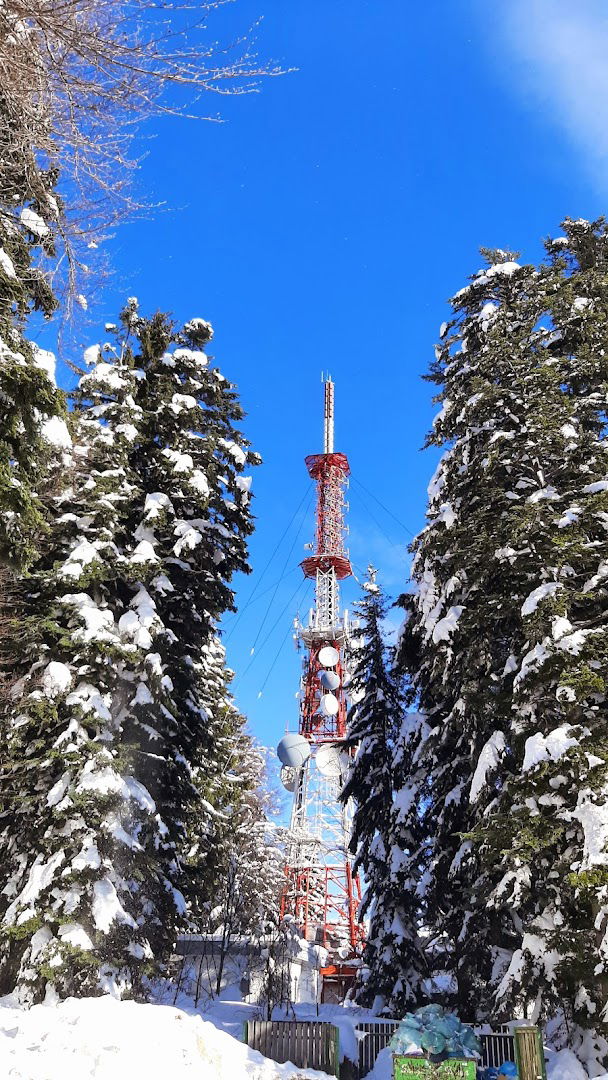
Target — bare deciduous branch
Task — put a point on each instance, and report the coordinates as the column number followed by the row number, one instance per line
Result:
column 77, row 78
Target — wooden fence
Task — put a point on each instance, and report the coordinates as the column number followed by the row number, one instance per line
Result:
column 313, row 1044
column 308, row 1044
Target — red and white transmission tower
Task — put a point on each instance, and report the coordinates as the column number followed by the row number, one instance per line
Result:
column 321, row 891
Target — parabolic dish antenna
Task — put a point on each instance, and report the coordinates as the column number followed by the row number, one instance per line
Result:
column 329, row 761
column 328, row 656
column 329, row 705
column 293, row 750
column 288, row 778
column 330, row 680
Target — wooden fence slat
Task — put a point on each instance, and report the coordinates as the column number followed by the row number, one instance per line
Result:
column 315, row 1044
column 278, row 1034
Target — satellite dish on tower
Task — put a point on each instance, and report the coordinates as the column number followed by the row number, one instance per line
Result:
column 328, row 656
column 330, row 680
column 328, row 760
column 293, row 750
column 329, row 705
column 288, row 778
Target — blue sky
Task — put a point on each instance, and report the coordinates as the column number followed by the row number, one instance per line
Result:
column 323, row 226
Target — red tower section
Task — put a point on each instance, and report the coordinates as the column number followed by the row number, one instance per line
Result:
column 321, row 891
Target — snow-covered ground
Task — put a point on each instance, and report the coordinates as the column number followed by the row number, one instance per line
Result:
column 105, row 1039
column 228, row 1014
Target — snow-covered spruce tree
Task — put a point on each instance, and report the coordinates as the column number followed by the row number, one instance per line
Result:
column 373, row 724
column 109, row 716
column 506, row 635
column 190, row 459
column 219, row 783
column 546, row 834
column 235, row 865
column 249, row 871
column 502, row 413
column 410, row 948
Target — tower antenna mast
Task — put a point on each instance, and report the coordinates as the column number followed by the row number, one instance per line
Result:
column 321, row 891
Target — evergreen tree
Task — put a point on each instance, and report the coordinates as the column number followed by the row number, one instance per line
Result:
column 373, row 723
column 108, row 720
column 459, row 634
column 505, row 637
column 236, row 862
column 236, row 858
column 409, row 947
column 249, row 863
column 547, row 833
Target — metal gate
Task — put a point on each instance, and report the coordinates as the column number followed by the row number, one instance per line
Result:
column 374, row 1036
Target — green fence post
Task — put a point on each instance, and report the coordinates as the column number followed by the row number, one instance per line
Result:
column 529, row 1053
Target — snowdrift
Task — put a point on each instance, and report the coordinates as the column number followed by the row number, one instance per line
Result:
column 106, row 1039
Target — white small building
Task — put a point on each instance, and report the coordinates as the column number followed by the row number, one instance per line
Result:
column 209, row 966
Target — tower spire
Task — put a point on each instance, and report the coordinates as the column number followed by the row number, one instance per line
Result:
column 328, row 417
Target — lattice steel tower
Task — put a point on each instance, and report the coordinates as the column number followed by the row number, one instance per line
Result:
column 321, row 891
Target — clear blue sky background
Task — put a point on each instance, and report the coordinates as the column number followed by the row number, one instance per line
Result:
column 322, row 228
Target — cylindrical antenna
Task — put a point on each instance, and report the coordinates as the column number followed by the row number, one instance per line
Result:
column 328, row 419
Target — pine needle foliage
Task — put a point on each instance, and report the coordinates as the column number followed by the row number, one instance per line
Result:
column 28, row 395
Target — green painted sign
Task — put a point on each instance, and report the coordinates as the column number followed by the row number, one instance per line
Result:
column 417, row 1068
